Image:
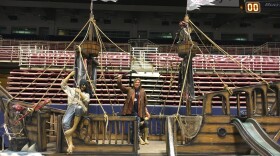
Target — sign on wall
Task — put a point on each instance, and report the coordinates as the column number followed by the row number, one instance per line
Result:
column 227, row 3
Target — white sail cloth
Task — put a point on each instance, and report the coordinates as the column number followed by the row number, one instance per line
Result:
column 195, row 4
column 107, row 0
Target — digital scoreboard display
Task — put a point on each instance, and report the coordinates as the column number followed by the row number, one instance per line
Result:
column 252, row 7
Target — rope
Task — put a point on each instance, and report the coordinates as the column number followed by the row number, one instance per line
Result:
column 37, row 79
column 170, row 85
column 92, row 87
column 251, row 73
column 224, row 52
column 104, row 80
column 102, row 76
column 114, row 73
column 171, row 78
column 78, row 35
column 153, row 93
column 211, row 64
column 213, row 67
column 78, row 47
column 110, row 39
column 45, row 71
column 94, row 91
column 165, row 80
column 101, row 44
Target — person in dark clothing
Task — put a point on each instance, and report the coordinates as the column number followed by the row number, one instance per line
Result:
column 135, row 103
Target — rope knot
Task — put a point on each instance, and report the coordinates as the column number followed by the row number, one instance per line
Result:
column 105, row 117
column 228, row 89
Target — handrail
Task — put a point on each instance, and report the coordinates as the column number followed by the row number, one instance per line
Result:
column 264, row 134
column 259, row 48
column 253, row 134
column 160, row 61
column 170, row 150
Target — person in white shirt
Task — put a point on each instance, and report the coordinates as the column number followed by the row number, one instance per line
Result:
column 78, row 99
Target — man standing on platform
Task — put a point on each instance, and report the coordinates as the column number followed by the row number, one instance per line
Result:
column 135, row 103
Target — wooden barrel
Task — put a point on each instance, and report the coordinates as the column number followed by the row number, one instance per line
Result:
column 184, row 49
column 90, row 48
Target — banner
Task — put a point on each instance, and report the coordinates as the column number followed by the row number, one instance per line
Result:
column 195, row 4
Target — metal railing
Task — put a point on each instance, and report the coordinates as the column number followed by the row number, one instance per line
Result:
column 147, row 58
column 9, row 53
column 140, row 58
column 33, row 56
column 255, row 63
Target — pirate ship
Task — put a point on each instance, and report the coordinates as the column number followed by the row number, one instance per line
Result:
column 233, row 120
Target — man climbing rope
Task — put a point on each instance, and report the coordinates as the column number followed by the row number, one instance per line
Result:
column 78, row 99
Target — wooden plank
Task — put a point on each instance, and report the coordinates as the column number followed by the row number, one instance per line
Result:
column 112, row 118
column 110, row 125
column 215, row 139
column 214, row 149
column 117, row 137
column 135, row 143
column 103, row 131
column 122, row 132
column 271, row 128
column 40, row 132
column 32, row 128
column 59, row 134
column 212, row 128
column 267, row 119
column 116, row 131
column 219, row 119
column 102, row 149
column 97, row 125
column 33, row 137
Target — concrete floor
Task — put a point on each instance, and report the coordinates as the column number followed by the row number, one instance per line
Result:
column 154, row 148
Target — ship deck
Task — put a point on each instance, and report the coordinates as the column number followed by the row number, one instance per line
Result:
column 154, row 148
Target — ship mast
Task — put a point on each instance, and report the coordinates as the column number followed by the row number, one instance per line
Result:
column 87, row 53
column 185, row 51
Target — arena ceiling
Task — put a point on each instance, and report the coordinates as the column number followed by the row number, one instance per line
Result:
column 128, row 2
column 172, row 3
column 219, row 14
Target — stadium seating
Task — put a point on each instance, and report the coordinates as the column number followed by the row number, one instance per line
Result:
column 211, row 73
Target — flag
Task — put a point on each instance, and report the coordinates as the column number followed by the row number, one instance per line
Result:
column 107, row 0
column 195, row 4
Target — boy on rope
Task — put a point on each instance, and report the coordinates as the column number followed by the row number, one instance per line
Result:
column 78, row 99
column 135, row 103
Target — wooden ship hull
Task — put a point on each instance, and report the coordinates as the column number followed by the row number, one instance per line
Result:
column 193, row 134
column 236, row 128
column 219, row 136
column 237, row 131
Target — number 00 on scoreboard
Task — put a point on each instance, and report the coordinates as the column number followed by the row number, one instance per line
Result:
column 252, row 7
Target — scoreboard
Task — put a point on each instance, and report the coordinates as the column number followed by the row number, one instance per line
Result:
column 258, row 6
column 252, row 7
